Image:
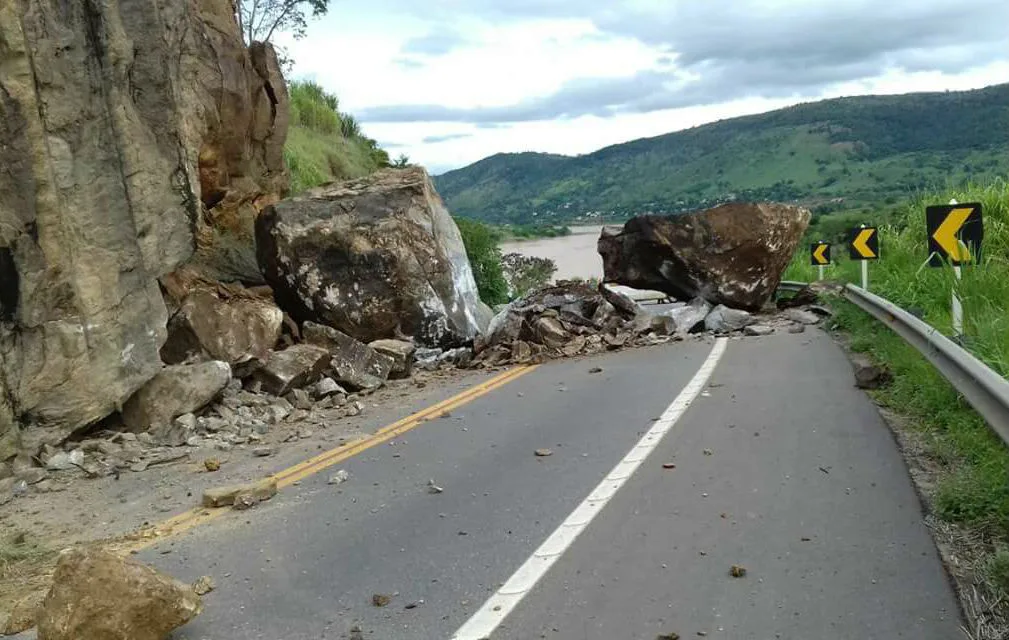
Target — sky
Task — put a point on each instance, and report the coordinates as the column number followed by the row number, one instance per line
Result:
column 449, row 82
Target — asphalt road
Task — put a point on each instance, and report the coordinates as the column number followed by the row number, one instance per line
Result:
column 781, row 466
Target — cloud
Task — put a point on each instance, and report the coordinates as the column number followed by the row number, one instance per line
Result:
column 408, row 63
column 717, row 51
column 435, row 43
column 446, row 137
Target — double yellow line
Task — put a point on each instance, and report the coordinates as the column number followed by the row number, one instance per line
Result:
column 189, row 519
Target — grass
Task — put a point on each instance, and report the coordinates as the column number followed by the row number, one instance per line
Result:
column 971, row 487
column 18, row 549
column 324, row 144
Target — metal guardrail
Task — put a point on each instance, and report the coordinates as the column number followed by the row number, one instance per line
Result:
column 984, row 389
column 791, row 285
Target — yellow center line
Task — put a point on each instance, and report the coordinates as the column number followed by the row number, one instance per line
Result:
column 194, row 517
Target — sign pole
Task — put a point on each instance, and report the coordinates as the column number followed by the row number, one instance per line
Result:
column 956, row 308
column 865, row 272
column 820, row 267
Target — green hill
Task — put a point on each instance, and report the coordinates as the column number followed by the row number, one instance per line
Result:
column 846, row 153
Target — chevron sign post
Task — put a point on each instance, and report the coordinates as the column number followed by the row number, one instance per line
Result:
column 863, row 245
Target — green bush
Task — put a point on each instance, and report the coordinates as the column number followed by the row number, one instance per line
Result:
column 485, row 258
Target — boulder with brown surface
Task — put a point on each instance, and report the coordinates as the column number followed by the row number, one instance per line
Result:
column 175, row 391
column 98, row 594
column 733, row 254
column 401, row 352
column 373, row 257
column 119, row 161
column 221, row 322
column 292, row 368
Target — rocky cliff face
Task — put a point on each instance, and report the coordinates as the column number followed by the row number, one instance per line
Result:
column 134, row 136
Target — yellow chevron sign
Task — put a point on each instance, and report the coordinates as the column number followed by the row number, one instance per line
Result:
column 820, row 253
column 954, row 232
column 946, row 236
column 863, row 243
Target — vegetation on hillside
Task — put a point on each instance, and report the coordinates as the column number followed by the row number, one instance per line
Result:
column 527, row 273
column 530, row 231
column 324, row 144
column 973, row 483
column 481, row 242
column 851, row 154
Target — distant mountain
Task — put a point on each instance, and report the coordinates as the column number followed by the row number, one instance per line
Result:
column 844, row 153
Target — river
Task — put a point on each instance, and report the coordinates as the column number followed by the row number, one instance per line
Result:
column 575, row 255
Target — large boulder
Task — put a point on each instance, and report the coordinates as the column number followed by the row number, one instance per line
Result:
column 373, row 257
column 733, row 254
column 98, row 594
column 354, row 363
column 176, row 390
column 222, row 324
column 131, row 135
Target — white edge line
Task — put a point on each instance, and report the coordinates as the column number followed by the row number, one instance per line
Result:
column 493, row 612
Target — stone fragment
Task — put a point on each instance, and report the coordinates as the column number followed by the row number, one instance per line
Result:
column 294, row 367
column 401, row 352
column 869, row 375
column 176, row 390
column 354, row 363
column 223, row 496
column 722, row 319
column 101, row 595
column 758, row 330
column 801, row 317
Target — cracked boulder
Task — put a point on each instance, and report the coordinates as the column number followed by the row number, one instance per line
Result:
column 374, row 258
column 353, row 363
column 733, row 254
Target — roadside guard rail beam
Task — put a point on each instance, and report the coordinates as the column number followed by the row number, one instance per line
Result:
column 984, row 389
column 791, row 285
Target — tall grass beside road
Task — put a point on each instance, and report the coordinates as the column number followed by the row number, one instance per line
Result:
column 968, row 463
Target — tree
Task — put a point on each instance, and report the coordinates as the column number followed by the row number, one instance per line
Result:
column 485, row 259
column 402, row 161
column 262, row 19
column 526, row 273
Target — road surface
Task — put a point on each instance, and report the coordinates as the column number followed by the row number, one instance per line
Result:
column 781, row 467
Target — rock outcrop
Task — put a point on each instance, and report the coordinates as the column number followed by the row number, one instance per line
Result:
column 733, row 254
column 132, row 134
column 97, row 594
column 372, row 257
